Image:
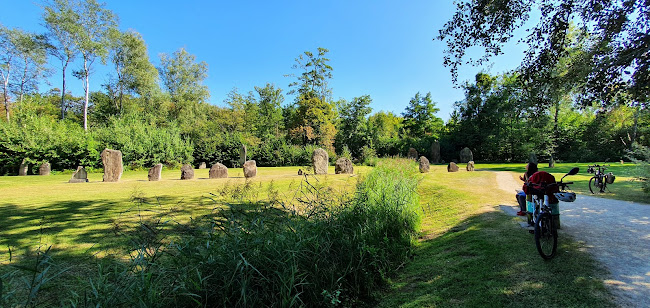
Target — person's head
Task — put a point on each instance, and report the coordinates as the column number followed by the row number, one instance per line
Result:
column 531, row 168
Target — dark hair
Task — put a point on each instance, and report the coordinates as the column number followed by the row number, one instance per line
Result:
column 532, row 168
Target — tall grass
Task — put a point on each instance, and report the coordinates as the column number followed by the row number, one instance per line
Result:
column 315, row 249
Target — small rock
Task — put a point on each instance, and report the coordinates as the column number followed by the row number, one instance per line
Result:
column 299, row 171
column 155, row 173
column 79, row 176
column 250, row 169
column 466, row 155
column 202, row 165
column 242, row 154
column 24, row 167
column 320, row 161
column 343, row 166
column 187, row 172
column 470, row 165
column 218, row 171
column 45, row 169
column 424, row 164
column 412, row 154
column 452, row 167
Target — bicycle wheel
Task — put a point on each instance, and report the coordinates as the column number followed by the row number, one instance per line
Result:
column 593, row 185
column 546, row 236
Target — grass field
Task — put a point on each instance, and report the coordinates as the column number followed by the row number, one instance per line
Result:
column 470, row 254
column 80, row 218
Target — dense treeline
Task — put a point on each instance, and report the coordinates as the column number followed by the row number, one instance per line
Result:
column 160, row 113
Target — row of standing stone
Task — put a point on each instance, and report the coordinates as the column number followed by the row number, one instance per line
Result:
column 113, row 168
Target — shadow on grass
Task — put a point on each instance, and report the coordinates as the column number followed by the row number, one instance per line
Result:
column 488, row 260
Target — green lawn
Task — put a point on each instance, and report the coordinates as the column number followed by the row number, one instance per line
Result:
column 624, row 188
column 470, row 254
column 73, row 218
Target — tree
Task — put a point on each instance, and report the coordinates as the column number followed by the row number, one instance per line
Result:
column 314, row 114
column 134, row 73
column 62, row 23
column 353, row 130
column 617, row 48
column 419, row 116
column 91, row 38
column 183, row 79
column 270, row 121
column 33, row 59
column 9, row 40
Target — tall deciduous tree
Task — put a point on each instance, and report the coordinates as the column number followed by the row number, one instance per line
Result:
column 270, row 100
column 618, row 34
column 314, row 114
column 353, row 130
column 134, row 72
column 419, row 117
column 183, row 79
column 9, row 39
column 92, row 39
column 62, row 22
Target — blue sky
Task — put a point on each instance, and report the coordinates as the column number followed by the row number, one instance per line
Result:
column 381, row 48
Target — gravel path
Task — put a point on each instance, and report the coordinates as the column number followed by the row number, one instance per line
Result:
column 616, row 233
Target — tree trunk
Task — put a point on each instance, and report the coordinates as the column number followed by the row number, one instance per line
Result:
column 22, row 82
column 65, row 66
column 87, row 88
column 5, row 92
column 635, row 126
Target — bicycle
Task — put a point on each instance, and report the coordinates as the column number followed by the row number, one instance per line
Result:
column 598, row 182
column 545, row 226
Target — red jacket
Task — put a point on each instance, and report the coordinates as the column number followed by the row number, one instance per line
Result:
column 542, row 177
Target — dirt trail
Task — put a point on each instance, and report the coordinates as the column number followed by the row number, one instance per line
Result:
column 616, row 233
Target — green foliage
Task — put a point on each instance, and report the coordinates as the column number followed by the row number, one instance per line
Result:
column 419, row 117
column 143, row 144
column 353, row 132
column 64, row 144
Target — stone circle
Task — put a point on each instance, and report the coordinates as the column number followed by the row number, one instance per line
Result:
column 424, row 164
column 250, row 169
column 218, row 171
column 187, row 172
column 155, row 173
column 452, row 167
column 320, row 161
column 112, row 160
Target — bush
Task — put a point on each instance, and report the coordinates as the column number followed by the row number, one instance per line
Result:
column 37, row 139
column 143, row 145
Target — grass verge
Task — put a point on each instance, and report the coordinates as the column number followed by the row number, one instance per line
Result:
column 472, row 255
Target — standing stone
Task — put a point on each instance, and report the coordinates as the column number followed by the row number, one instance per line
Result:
column 466, row 155
column 155, row 173
column 45, row 169
column 452, row 167
column 299, row 171
column 187, row 172
column 412, row 154
column 551, row 162
column 218, row 171
column 202, row 165
column 242, row 154
column 250, row 169
column 320, row 160
column 343, row 166
column 622, row 162
column 470, row 165
column 532, row 158
column 22, row 171
column 79, row 176
column 424, row 164
column 435, row 152
column 112, row 160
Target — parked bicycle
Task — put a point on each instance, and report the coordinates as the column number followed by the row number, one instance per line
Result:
column 598, row 182
column 545, row 224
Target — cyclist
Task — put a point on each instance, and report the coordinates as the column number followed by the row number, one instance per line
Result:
column 538, row 179
column 531, row 168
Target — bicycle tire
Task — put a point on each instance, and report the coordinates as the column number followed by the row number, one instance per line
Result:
column 592, row 185
column 546, row 236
